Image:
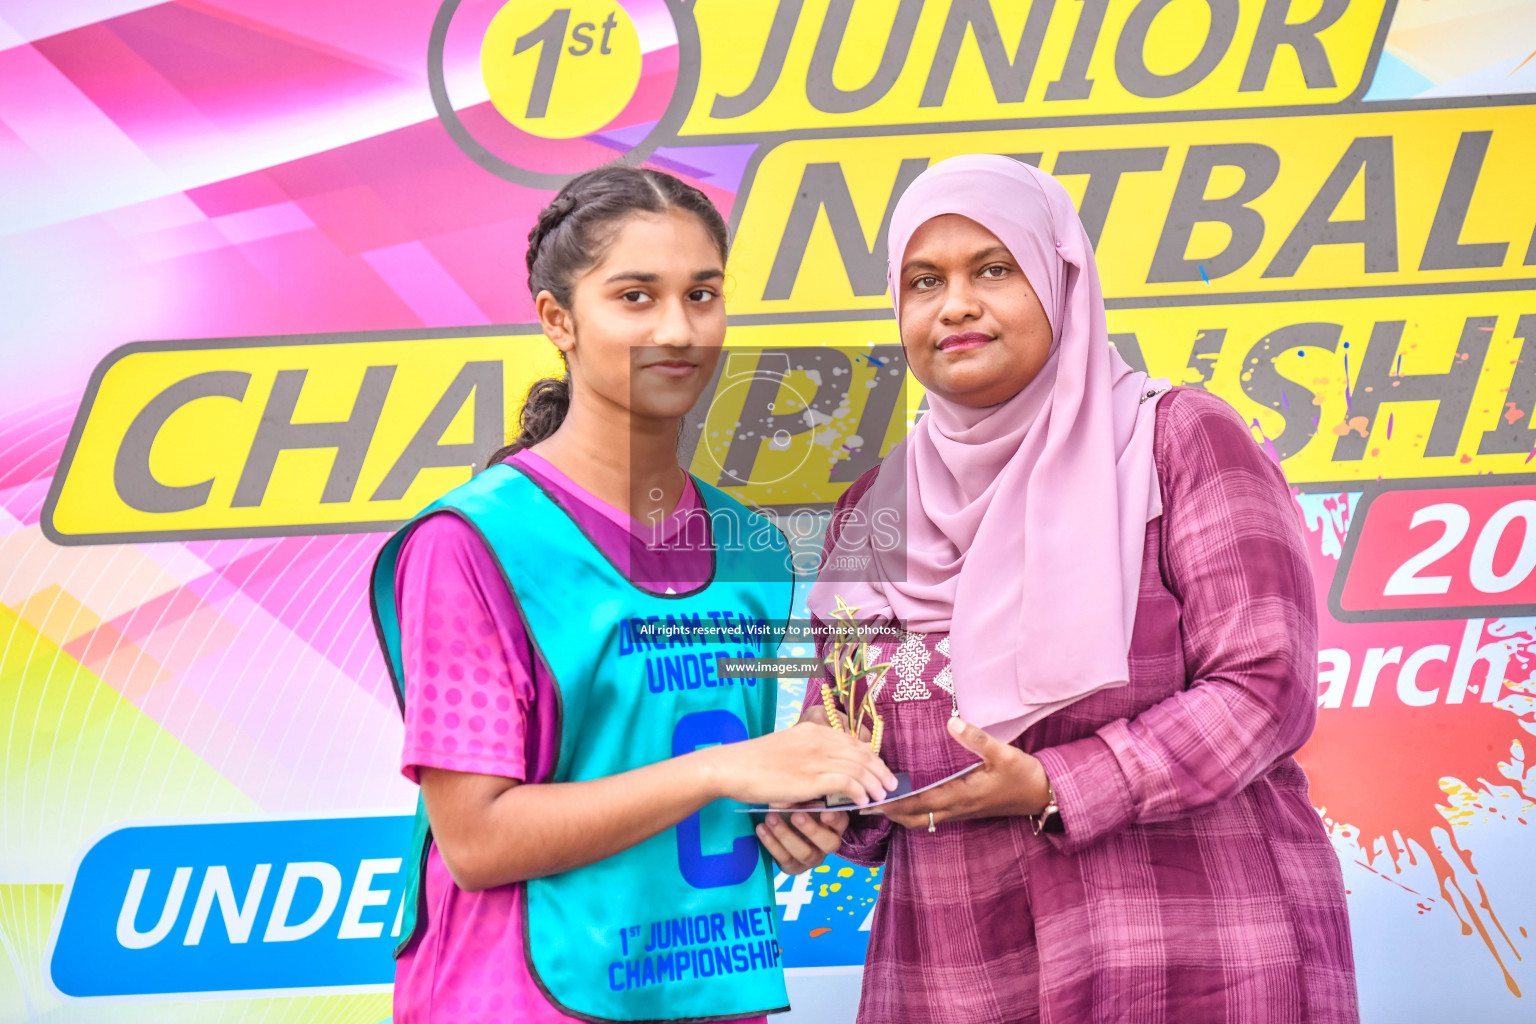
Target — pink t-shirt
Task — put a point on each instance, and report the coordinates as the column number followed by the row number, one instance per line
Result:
column 476, row 701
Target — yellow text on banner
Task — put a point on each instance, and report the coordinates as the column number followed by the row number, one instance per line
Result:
column 833, row 64
column 249, row 439
column 244, row 440
column 1280, row 206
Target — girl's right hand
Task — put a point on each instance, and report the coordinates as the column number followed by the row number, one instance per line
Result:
column 800, row 764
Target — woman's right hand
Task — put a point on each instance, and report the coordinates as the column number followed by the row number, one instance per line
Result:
column 802, row 763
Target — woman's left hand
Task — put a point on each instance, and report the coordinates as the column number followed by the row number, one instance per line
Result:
column 1009, row 782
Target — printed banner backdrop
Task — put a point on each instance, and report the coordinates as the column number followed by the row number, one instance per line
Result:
column 261, row 298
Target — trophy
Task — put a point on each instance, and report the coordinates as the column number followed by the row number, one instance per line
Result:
column 850, row 668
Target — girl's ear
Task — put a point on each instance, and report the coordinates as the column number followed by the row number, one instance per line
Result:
column 555, row 320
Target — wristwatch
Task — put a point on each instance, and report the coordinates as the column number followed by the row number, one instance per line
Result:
column 1049, row 818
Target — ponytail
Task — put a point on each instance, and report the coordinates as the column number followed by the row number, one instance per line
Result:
column 570, row 236
column 543, row 412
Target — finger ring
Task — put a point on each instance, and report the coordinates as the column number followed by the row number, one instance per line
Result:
column 931, row 826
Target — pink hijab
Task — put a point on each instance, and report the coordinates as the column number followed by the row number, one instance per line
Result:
column 1025, row 521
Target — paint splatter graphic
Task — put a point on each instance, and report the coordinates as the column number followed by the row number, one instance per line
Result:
column 1348, row 398
column 1396, row 780
column 1269, row 446
column 1354, row 424
column 832, row 904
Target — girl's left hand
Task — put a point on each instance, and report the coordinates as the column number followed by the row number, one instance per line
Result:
column 1009, row 782
column 798, row 840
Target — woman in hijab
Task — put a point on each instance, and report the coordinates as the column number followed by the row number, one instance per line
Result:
column 1103, row 596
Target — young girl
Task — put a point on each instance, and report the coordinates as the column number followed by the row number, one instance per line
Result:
column 570, row 858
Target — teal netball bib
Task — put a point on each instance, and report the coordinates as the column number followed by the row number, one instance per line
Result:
column 682, row 926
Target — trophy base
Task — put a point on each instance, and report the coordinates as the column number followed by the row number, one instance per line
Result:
column 903, row 788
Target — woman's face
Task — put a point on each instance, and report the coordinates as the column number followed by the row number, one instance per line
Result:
column 647, row 322
column 974, row 330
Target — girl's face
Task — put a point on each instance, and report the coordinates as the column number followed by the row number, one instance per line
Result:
column 973, row 328
column 647, row 322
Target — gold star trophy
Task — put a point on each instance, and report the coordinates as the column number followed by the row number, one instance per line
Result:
column 849, row 664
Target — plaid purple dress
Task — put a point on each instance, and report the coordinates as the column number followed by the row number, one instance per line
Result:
column 1194, row 882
